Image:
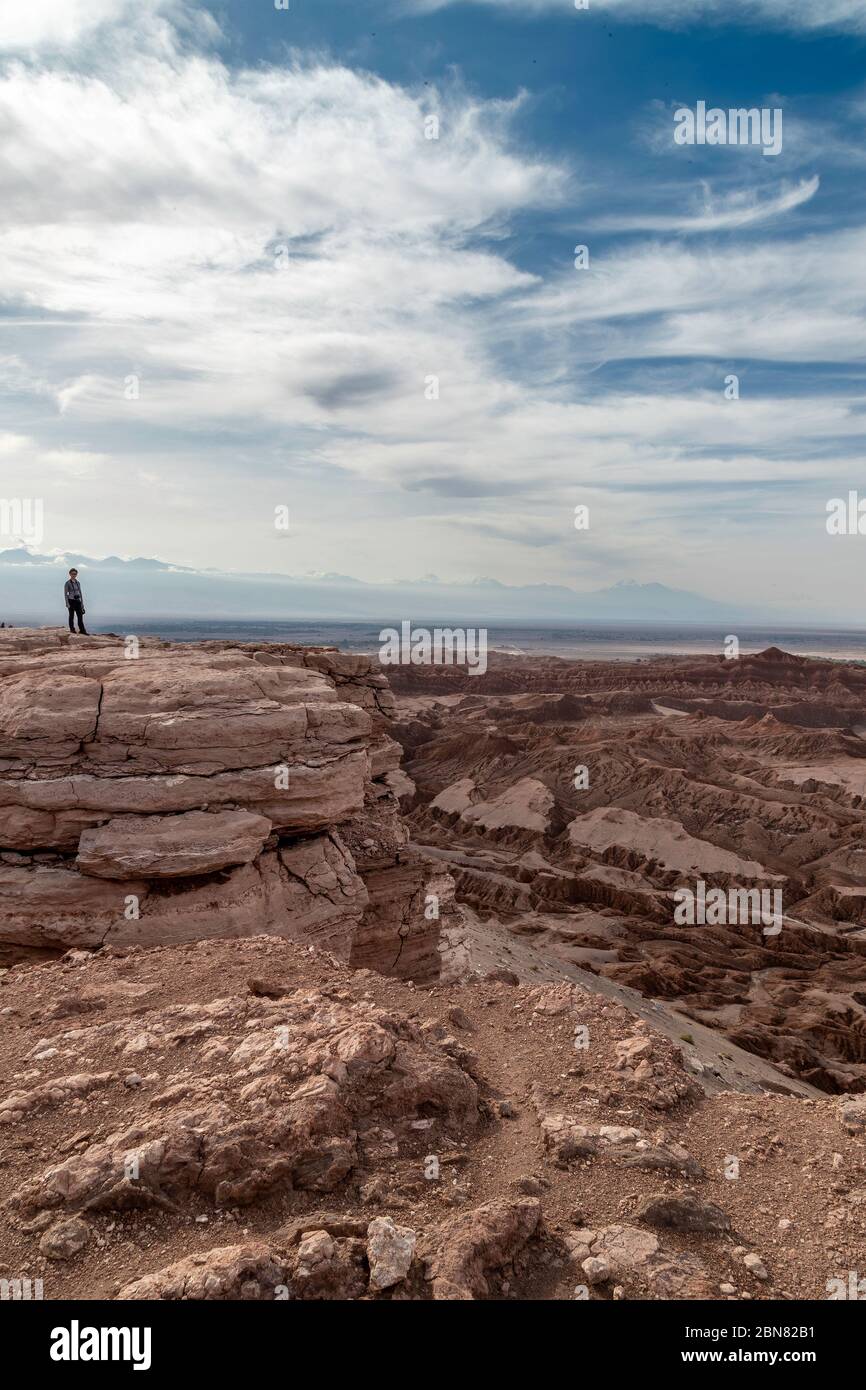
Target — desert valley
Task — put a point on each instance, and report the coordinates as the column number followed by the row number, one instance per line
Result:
column 321, row 981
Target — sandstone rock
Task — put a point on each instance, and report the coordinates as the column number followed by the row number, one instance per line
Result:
column 397, row 934
column 199, row 790
column 659, row 839
column 478, row 1241
column 308, row 891
column 633, row 1254
column 248, row 1272
column 195, row 842
column 755, row 1265
column 525, row 806
column 327, row 1268
column 852, row 1113
column 65, row 1239
column 298, row 1079
column 625, row 1247
column 316, row 795
column 51, row 1093
column 567, row 1138
column 53, row 711
column 390, row 1249
column 597, row 1269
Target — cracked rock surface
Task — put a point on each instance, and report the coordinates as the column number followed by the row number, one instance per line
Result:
column 247, row 1119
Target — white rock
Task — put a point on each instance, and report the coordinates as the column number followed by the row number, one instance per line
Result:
column 755, row 1265
column 597, row 1269
column 389, row 1251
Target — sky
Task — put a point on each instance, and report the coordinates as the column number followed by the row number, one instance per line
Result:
column 295, row 290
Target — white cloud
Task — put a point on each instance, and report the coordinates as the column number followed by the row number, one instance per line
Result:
column 179, row 215
column 189, row 144
column 744, row 208
column 77, row 463
column 13, row 444
column 57, row 25
column 669, row 14
column 146, row 211
column 55, row 22
column 146, row 202
column 794, row 300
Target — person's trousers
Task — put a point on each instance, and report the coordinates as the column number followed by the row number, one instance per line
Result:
column 76, row 609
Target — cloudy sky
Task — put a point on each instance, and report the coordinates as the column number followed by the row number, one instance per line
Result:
column 239, row 272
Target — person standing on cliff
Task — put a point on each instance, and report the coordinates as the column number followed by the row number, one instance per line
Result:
column 74, row 602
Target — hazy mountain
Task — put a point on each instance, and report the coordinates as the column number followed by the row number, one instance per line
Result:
column 31, row 590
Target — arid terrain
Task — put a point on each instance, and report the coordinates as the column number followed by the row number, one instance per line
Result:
column 746, row 774
column 321, row 982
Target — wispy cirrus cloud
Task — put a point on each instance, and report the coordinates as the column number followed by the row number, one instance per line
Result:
column 800, row 299
column 730, row 212
column 803, row 15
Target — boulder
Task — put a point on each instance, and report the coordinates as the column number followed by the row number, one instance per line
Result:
column 390, row 1249
column 683, row 1211
column 476, row 1242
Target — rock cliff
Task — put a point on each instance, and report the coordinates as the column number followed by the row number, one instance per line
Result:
column 152, row 793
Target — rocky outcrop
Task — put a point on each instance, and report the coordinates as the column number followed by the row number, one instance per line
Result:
column 478, row 1241
column 249, row 1119
column 151, row 793
column 249, row 1272
column 633, row 1261
column 287, row 1096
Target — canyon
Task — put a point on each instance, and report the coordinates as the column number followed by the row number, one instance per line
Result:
column 573, row 801
column 322, row 980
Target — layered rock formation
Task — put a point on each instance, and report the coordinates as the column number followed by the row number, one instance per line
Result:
column 573, row 814
column 153, row 793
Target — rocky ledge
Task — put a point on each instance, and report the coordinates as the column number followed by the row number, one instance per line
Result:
column 154, row 793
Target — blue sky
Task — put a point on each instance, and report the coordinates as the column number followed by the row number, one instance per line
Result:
column 232, row 262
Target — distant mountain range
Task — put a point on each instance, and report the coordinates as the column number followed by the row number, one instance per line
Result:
column 31, row 590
